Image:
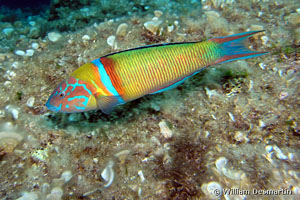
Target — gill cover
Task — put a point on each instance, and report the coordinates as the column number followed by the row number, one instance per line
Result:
column 72, row 95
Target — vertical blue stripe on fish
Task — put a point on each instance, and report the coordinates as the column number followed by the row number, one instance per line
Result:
column 106, row 80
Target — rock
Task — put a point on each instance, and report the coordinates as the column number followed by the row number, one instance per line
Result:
column 53, row 36
column 34, row 32
column 293, row 18
column 122, row 30
column 8, row 32
column 165, row 130
column 9, row 137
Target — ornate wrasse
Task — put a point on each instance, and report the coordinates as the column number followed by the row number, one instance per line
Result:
column 121, row 77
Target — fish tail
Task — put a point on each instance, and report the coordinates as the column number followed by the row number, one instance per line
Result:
column 234, row 48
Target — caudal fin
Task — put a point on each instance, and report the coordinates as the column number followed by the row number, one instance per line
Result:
column 234, row 47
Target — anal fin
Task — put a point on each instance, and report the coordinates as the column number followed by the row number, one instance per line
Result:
column 174, row 85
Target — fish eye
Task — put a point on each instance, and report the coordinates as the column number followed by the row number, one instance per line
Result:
column 62, row 94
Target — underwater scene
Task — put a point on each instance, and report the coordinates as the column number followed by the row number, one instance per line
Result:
column 182, row 99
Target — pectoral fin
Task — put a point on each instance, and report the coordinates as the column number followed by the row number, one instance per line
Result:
column 108, row 103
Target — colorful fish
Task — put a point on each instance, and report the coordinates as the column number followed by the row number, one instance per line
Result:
column 121, row 77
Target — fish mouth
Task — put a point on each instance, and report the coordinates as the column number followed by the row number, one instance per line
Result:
column 52, row 107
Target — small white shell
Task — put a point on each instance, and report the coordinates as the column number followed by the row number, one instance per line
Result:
column 53, row 36
column 111, row 41
column 165, row 130
column 122, row 30
column 20, row 52
column 108, row 173
column 141, row 175
column 279, row 153
column 221, row 163
column 13, row 111
column 29, row 52
column 66, row 175
column 35, row 45
column 231, row 116
column 269, row 148
column 30, row 102
column 158, row 13
column 152, row 26
column 86, row 37
column 56, row 193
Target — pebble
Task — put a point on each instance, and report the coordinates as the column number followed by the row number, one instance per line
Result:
column 29, row 52
column 111, row 41
column 122, row 155
column 231, row 116
column 141, row 175
column 30, row 102
column 170, row 28
column 32, row 23
column 53, row 36
column 35, row 45
column 122, row 30
column 28, row 196
column 158, row 13
column 240, row 137
column 293, row 18
column 264, row 39
column 283, row 95
column 221, row 163
column 108, row 173
column 7, row 83
column 86, row 37
column 261, row 124
column 66, row 175
column 56, row 194
column 9, row 137
column 165, row 130
column 15, row 65
column 8, row 31
column 279, row 154
column 269, row 148
column 262, row 65
column 13, row 111
column 20, row 52
column 212, row 189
